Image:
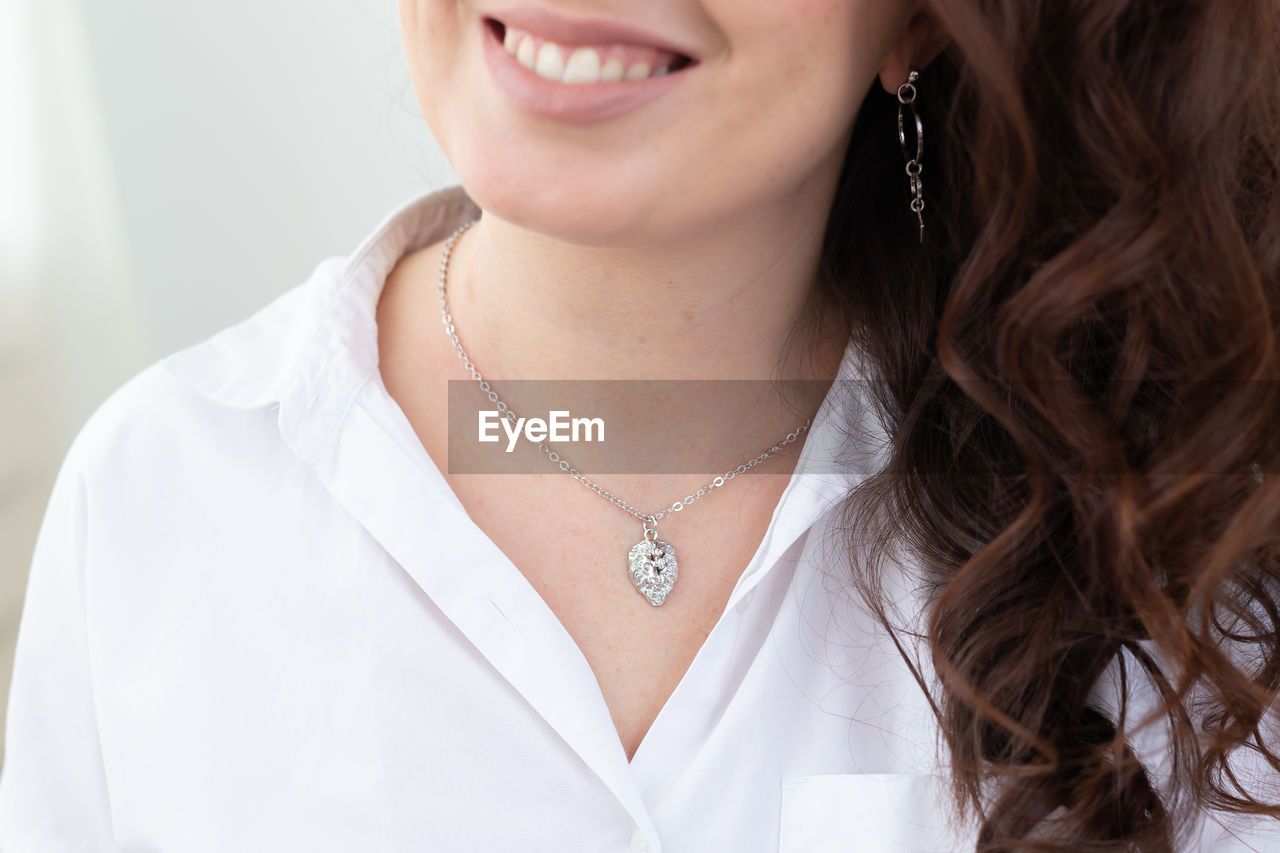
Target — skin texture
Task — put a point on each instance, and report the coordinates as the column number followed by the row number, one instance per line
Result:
column 676, row 241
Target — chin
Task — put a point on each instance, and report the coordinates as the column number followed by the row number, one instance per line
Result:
column 575, row 207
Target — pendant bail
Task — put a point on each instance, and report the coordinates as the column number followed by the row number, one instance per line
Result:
column 650, row 528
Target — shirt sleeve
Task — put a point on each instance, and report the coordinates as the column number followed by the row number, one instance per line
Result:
column 53, row 792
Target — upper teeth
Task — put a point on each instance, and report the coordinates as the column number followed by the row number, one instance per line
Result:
column 583, row 64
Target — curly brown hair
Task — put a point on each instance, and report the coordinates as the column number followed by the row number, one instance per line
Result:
column 1078, row 372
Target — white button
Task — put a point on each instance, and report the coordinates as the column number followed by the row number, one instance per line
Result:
column 640, row 842
column 745, row 601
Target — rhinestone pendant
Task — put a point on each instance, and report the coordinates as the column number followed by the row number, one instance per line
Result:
column 653, row 565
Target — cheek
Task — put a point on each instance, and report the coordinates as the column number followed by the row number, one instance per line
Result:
column 431, row 34
column 794, row 77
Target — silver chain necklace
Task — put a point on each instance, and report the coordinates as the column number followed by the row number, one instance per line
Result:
column 652, row 561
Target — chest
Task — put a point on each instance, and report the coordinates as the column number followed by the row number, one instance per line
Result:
column 356, row 663
column 337, row 702
column 573, row 547
column 354, row 708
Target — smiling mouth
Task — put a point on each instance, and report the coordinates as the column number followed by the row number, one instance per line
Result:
column 581, row 63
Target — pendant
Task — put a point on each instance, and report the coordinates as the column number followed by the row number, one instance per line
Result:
column 653, row 564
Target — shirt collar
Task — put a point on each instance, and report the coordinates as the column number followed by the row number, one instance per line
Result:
column 310, row 350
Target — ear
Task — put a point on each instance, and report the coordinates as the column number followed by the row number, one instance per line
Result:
column 922, row 40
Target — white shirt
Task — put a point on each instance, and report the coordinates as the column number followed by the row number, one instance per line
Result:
column 259, row 619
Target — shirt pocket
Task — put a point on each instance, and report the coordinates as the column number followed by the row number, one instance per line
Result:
column 870, row 813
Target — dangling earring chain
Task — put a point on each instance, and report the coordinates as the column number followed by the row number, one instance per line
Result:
column 913, row 163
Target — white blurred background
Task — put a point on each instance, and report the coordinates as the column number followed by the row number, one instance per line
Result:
column 166, row 169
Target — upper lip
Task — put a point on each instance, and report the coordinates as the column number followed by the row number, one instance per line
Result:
column 566, row 30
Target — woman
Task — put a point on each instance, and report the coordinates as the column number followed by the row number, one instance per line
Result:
column 1036, row 243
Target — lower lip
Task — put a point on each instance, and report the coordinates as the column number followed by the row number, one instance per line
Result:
column 575, row 103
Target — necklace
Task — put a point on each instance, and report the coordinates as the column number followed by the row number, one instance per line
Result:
column 651, row 561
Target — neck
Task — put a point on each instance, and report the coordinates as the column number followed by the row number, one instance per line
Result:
column 715, row 303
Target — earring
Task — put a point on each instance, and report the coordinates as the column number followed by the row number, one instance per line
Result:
column 913, row 163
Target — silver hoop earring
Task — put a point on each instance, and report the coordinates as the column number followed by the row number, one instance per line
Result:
column 907, row 97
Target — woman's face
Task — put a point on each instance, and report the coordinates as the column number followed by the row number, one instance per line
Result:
column 761, row 119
